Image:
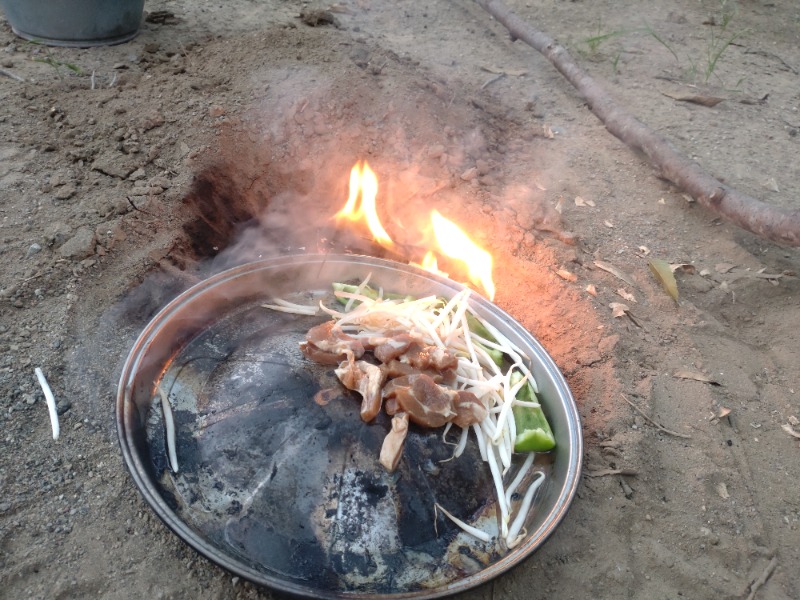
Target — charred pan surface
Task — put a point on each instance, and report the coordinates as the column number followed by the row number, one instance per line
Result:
column 295, row 488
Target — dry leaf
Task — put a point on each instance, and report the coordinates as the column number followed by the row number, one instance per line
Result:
column 790, row 430
column 770, row 276
column 722, row 490
column 771, row 184
column 591, row 290
column 581, row 202
column 626, row 295
column 547, row 132
column 608, row 224
column 688, row 198
column 723, row 412
column 683, row 374
column 566, row 275
column 685, row 267
column 560, row 205
column 614, row 271
column 708, row 101
column 504, row 71
column 663, row 273
column 618, row 309
column 793, row 421
column 662, row 201
column 538, row 185
column 644, row 250
column 724, row 267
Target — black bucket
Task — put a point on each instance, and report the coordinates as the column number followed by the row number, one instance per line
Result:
column 75, row 23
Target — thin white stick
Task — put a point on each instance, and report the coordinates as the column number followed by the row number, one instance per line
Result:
column 169, row 425
column 51, row 402
column 473, row 531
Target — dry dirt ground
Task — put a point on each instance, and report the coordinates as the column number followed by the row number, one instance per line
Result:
column 128, row 171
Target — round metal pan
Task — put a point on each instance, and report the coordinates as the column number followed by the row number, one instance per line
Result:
column 287, row 491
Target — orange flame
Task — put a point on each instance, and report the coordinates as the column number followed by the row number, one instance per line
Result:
column 364, row 184
column 453, row 242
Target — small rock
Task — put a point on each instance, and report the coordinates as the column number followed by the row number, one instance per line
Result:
column 5, row 507
column 436, row 151
column 79, row 246
column 152, row 121
column 33, row 249
column 57, row 233
column 65, row 192
column 159, row 181
column 469, row 174
column 137, row 175
column 114, row 164
column 63, row 406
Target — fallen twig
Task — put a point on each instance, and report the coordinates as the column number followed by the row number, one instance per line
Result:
column 11, row 75
column 654, row 423
column 606, row 472
column 762, row 579
column 790, row 430
column 771, row 222
column 51, row 402
column 491, row 80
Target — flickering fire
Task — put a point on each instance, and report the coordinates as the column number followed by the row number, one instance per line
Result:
column 456, row 244
column 449, row 240
column 364, row 185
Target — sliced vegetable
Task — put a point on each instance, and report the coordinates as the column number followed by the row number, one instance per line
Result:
column 533, row 430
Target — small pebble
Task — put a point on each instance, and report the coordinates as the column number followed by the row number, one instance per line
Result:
column 33, row 249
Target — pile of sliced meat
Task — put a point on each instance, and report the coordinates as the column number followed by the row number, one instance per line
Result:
column 399, row 372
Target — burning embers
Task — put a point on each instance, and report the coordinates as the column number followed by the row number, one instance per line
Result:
column 443, row 237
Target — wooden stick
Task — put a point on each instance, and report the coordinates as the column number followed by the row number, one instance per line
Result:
column 762, row 579
column 771, row 222
column 653, row 423
column 11, row 75
column 606, row 472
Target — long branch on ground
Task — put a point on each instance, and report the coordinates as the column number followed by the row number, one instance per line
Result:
column 771, row 222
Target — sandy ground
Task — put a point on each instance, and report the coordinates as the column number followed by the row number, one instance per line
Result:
column 123, row 179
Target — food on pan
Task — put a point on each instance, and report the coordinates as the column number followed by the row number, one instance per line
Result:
column 434, row 363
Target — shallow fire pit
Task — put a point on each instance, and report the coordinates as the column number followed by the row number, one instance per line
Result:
column 288, row 492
